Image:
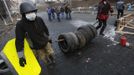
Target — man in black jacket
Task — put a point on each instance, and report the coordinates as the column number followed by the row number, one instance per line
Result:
column 68, row 12
column 35, row 31
column 120, row 8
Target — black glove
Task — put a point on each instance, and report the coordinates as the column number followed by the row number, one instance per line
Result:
column 22, row 61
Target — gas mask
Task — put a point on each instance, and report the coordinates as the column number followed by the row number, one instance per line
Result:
column 31, row 16
column 105, row 2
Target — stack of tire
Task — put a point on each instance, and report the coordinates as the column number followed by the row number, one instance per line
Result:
column 72, row 41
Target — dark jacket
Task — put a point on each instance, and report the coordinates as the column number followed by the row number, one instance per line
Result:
column 120, row 5
column 103, row 11
column 35, row 30
column 67, row 9
column 61, row 9
column 53, row 10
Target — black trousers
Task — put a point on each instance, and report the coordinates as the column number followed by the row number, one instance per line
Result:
column 53, row 15
column 102, row 24
column 58, row 17
column 120, row 13
column 68, row 15
column 49, row 17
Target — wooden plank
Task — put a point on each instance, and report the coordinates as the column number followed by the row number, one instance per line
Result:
column 124, row 32
column 125, row 25
column 121, row 28
column 127, row 15
column 129, row 27
column 125, row 22
column 118, row 27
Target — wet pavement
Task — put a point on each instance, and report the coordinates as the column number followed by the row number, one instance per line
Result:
column 99, row 57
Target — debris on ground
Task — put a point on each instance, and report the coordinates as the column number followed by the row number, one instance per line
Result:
column 88, row 60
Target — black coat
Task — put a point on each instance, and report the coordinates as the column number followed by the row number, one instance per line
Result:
column 35, row 30
column 67, row 10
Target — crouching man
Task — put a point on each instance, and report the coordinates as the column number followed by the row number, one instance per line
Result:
column 35, row 31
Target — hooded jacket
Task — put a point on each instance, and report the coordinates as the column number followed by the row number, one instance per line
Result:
column 103, row 10
column 35, row 30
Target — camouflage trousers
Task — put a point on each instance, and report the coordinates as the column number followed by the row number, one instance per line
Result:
column 43, row 54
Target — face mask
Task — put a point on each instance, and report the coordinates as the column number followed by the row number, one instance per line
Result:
column 105, row 2
column 31, row 16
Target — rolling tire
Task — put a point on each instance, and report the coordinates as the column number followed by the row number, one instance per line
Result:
column 93, row 29
column 81, row 39
column 86, row 31
column 75, row 41
column 69, row 43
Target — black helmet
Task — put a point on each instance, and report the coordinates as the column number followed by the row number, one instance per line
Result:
column 26, row 7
